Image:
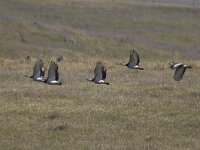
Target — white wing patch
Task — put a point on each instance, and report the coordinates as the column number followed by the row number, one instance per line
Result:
column 101, row 81
column 39, row 79
column 54, row 81
column 176, row 65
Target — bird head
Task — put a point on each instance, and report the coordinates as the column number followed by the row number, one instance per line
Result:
column 171, row 63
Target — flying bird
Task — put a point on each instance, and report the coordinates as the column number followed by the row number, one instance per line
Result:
column 174, row 65
column 180, row 70
column 38, row 71
column 99, row 74
column 134, row 61
column 53, row 74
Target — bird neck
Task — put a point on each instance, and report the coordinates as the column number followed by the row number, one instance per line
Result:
column 140, row 68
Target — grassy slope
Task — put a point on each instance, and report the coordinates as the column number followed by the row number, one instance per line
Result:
column 141, row 110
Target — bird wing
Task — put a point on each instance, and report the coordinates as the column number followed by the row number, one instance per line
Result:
column 134, row 59
column 38, row 69
column 180, row 70
column 53, row 72
column 98, row 75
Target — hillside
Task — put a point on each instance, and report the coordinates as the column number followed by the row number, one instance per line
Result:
column 102, row 29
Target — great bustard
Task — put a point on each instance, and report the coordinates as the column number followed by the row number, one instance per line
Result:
column 180, row 70
column 53, row 74
column 174, row 65
column 134, row 61
column 99, row 74
column 38, row 71
column 60, row 59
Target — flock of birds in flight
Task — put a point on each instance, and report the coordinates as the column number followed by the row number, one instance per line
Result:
column 100, row 70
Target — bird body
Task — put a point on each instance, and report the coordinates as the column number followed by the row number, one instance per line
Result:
column 178, row 64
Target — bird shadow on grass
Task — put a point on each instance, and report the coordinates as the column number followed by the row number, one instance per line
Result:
column 56, row 122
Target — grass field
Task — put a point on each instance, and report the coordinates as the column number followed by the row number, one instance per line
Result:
column 144, row 110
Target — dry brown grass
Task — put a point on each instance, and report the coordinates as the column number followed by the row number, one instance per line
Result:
column 139, row 110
